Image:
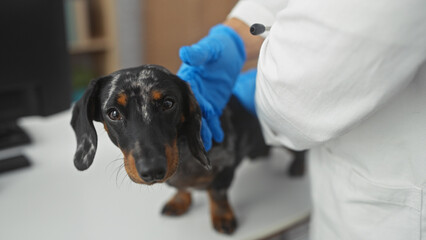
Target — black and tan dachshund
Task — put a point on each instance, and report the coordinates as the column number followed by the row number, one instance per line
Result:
column 153, row 117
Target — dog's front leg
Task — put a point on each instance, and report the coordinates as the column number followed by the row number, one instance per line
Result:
column 178, row 204
column 223, row 217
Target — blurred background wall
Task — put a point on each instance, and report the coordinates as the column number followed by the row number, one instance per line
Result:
column 172, row 24
column 106, row 35
column 130, row 28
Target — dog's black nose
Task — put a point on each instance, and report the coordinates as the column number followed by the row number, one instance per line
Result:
column 152, row 174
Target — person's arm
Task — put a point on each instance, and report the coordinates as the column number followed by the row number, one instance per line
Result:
column 328, row 65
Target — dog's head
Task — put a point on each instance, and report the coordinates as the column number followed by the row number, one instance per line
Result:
column 145, row 110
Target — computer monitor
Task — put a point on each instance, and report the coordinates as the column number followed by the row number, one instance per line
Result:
column 34, row 66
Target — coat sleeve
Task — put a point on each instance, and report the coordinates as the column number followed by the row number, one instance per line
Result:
column 328, row 65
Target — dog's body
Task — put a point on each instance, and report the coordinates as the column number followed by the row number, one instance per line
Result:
column 153, row 117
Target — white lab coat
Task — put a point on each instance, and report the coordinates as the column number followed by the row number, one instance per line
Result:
column 347, row 79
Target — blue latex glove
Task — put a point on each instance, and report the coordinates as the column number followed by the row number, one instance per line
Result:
column 211, row 67
column 244, row 89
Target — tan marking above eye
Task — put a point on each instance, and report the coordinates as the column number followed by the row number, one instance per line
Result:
column 122, row 99
column 156, row 95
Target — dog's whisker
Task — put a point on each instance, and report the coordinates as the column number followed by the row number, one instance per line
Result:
column 124, row 177
column 118, row 167
column 149, row 187
column 114, row 172
column 117, row 174
column 113, row 161
column 118, row 158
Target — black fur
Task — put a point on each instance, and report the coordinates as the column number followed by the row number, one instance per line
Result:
column 84, row 113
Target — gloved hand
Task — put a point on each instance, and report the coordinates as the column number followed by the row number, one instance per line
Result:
column 211, row 67
column 244, row 89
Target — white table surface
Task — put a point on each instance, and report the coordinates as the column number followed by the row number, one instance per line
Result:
column 53, row 200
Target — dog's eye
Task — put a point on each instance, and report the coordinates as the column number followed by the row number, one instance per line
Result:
column 168, row 103
column 114, row 114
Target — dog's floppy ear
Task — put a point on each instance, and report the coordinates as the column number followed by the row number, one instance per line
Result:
column 85, row 111
column 192, row 126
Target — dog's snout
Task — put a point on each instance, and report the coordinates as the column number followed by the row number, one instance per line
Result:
column 152, row 174
column 151, row 170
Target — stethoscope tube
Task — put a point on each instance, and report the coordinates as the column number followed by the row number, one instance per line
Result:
column 257, row 29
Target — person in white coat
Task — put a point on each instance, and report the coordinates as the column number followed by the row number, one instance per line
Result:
column 347, row 80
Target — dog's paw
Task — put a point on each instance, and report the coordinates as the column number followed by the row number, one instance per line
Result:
column 225, row 223
column 297, row 166
column 173, row 209
column 178, row 204
column 296, row 171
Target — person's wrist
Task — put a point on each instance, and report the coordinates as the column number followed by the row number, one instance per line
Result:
column 251, row 43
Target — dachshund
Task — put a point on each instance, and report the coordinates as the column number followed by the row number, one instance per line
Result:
column 152, row 116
